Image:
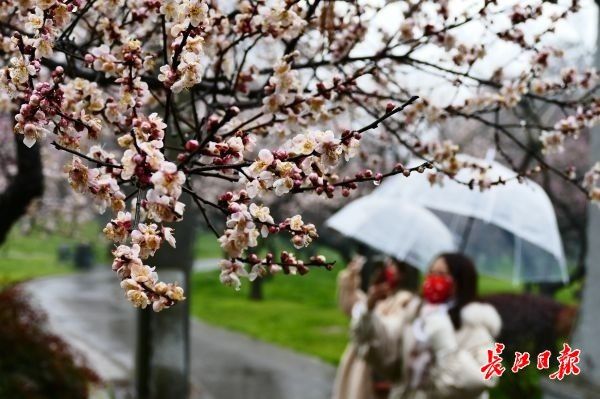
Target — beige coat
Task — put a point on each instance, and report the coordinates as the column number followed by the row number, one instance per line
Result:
column 384, row 340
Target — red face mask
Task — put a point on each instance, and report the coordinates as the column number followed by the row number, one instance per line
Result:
column 437, row 288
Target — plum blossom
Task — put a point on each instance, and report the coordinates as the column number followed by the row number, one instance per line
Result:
column 283, row 186
column 35, row 19
column 118, row 229
column 296, row 223
column 263, row 215
column 303, row 144
column 20, row 70
column 138, row 298
column 162, row 207
column 168, row 179
column 125, row 258
column 180, row 100
column 148, row 239
column 552, row 141
column 78, row 175
column 170, row 9
column 260, row 184
column 44, row 47
column 264, row 160
column 197, row 12
column 231, row 273
column 167, row 234
column 241, row 232
column 103, row 60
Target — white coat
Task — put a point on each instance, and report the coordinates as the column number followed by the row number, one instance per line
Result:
column 387, row 341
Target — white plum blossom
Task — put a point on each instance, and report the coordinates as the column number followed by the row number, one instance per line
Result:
column 148, row 239
column 162, row 207
column 264, row 160
column 20, row 70
column 168, row 179
column 35, row 20
column 296, row 223
column 303, row 144
column 553, row 141
column 231, row 273
column 118, row 229
column 167, row 233
column 240, row 109
column 263, row 215
column 196, row 11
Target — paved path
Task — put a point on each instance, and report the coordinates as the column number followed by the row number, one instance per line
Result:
column 89, row 311
column 206, row 265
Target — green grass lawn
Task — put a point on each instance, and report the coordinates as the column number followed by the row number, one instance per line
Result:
column 207, row 247
column 299, row 312
column 26, row 256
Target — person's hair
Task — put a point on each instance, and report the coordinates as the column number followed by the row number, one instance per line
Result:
column 379, row 263
column 463, row 272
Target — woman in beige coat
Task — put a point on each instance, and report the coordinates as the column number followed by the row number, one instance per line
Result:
column 427, row 348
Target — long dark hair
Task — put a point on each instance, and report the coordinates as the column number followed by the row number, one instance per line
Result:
column 463, row 272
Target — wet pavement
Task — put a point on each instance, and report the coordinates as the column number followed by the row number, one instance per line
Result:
column 90, row 313
column 206, row 265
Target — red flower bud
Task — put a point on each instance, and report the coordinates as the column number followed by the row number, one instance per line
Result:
column 192, row 145
column 138, row 159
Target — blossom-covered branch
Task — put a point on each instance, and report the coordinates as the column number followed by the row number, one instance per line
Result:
column 237, row 104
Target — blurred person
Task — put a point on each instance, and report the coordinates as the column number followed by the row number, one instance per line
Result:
column 380, row 270
column 430, row 346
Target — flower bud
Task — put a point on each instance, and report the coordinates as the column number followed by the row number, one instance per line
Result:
column 138, row 159
column 233, row 111
column 192, row 145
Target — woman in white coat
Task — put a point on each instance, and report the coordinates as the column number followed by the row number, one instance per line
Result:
column 429, row 347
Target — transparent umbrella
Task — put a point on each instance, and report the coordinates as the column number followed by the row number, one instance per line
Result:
column 407, row 232
column 510, row 230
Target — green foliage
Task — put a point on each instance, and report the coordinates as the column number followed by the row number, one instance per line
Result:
column 524, row 384
column 35, row 254
column 569, row 293
column 207, row 246
column 490, row 285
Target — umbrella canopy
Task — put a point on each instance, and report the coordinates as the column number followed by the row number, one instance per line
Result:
column 510, row 229
column 404, row 231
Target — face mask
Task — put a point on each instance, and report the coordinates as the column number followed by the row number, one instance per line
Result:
column 437, row 288
column 390, row 276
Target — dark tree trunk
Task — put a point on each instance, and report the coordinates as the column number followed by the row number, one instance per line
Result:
column 23, row 188
column 256, row 293
column 163, row 347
